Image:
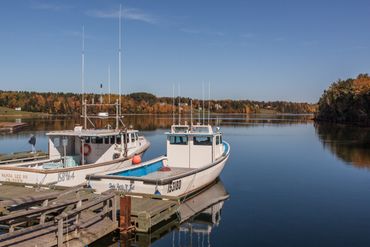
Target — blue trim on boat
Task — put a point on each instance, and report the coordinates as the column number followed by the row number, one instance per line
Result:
column 226, row 147
column 140, row 171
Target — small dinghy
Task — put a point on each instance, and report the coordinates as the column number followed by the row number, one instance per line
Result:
column 196, row 155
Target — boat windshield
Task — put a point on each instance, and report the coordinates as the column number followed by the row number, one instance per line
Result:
column 200, row 129
column 180, row 129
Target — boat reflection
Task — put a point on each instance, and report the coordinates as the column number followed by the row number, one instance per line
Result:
column 192, row 224
column 195, row 219
column 349, row 143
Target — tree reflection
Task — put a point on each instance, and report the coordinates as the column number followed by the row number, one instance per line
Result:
column 349, row 143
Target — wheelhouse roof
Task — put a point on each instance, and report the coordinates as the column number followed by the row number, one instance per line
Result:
column 88, row 132
column 198, row 129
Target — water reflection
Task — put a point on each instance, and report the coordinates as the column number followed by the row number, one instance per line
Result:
column 152, row 122
column 349, row 143
column 191, row 226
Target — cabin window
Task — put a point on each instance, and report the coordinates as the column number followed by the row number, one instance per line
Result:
column 112, row 140
column 218, row 140
column 202, row 140
column 132, row 137
column 87, row 139
column 118, row 139
column 106, row 140
column 179, row 140
column 137, row 136
column 99, row 140
column 93, row 139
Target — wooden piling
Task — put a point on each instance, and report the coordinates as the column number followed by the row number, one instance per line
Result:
column 125, row 213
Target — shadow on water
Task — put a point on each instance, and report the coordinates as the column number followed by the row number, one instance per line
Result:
column 193, row 222
column 349, row 143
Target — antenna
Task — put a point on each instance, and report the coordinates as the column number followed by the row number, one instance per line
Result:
column 109, row 83
column 178, row 88
column 83, row 105
column 209, row 100
column 83, row 64
column 203, row 101
column 173, row 103
column 119, row 58
column 191, row 112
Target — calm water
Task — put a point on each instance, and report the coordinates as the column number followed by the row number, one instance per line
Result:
column 288, row 181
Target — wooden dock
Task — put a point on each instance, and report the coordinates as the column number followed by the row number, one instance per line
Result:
column 11, row 126
column 22, row 157
column 76, row 216
column 41, row 217
column 147, row 212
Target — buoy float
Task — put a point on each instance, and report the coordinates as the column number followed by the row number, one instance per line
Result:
column 136, row 160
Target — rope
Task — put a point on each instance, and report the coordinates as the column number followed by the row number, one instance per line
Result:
column 183, row 200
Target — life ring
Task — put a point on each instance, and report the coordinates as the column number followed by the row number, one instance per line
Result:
column 87, row 149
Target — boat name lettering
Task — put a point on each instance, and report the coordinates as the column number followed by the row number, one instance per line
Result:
column 65, row 176
column 175, row 185
column 9, row 177
column 122, row 187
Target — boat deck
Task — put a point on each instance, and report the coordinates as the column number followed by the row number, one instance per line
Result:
column 166, row 174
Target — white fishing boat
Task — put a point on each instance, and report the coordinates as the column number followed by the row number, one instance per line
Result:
column 73, row 154
column 196, row 155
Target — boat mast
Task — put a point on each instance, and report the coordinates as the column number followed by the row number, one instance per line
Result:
column 119, row 58
column 203, row 101
column 173, row 104
column 178, row 90
column 83, row 77
column 209, row 100
column 191, row 112
column 109, row 83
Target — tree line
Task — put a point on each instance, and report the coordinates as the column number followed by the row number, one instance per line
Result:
column 346, row 101
column 70, row 103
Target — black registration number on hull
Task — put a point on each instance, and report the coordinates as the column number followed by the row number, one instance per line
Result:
column 175, row 185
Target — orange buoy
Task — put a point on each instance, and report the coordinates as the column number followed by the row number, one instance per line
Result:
column 136, row 160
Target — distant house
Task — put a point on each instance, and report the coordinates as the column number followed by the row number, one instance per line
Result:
column 218, row 106
column 18, row 109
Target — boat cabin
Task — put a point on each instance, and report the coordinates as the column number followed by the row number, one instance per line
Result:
column 193, row 146
column 88, row 146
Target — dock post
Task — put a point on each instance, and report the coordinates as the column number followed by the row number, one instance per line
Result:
column 125, row 213
column 60, row 232
column 114, row 208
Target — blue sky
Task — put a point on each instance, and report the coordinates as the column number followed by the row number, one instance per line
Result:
column 261, row 50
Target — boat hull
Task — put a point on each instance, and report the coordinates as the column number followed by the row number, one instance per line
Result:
column 178, row 187
column 63, row 177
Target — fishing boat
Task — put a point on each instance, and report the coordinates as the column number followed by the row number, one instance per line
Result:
column 73, row 154
column 196, row 155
